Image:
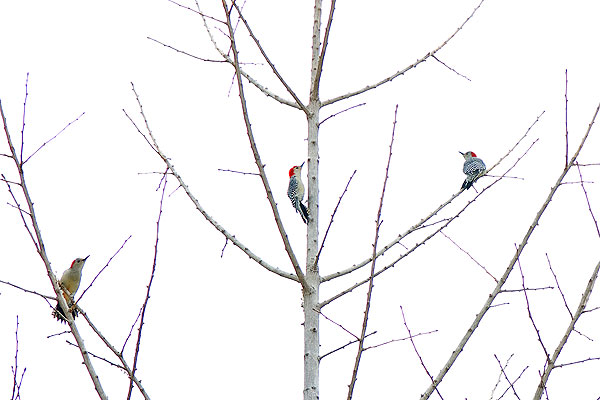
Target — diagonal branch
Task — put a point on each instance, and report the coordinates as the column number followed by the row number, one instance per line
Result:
column 39, row 243
column 103, row 268
column 402, row 71
column 416, row 246
column 361, row 341
column 154, row 145
column 145, row 305
column 117, row 353
column 511, row 384
column 262, row 51
column 422, row 222
column 253, row 81
column 331, row 220
column 582, row 303
column 509, row 268
column 54, row 137
column 537, row 331
column 259, row 163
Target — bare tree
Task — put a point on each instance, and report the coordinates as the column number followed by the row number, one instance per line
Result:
column 230, row 32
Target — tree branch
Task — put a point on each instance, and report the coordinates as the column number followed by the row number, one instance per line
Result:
column 277, row 74
column 253, row 81
column 361, row 341
column 509, row 268
column 402, row 71
column 42, row 252
column 422, row 222
column 259, row 163
column 154, row 145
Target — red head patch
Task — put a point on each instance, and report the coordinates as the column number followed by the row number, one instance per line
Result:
column 292, row 171
column 473, row 154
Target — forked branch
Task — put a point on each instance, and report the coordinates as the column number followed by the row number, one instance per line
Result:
column 154, row 145
column 509, row 268
column 406, row 69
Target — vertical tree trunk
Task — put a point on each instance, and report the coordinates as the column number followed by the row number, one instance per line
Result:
column 311, row 293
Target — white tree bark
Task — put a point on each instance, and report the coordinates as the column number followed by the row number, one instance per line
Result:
column 313, row 280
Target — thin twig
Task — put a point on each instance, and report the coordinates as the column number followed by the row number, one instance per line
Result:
column 103, row 268
column 16, row 390
column 422, row 242
column 400, row 340
column 406, row 69
column 185, row 52
column 370, row 289
column 197, row 12
column 513, row 382
column 566, row 121
column 118, row 354
column 537, row 331
column 340, row 112
column 450, row 68
column 264, row 54
column 509, row 268
column 238, row 172
column 223, row 249
column 470, row 256
column 39, row 243
column 417, row 351
column 526, row 289
column 154, row 145
column 253, row 81
column 54, row 137
column 587, row 200
column 18, row 207
column 500, row 375
column 511, row 385
column 552, row 361
column 145, row 305
column 344, row 346
column 577, row 362
column 558, row 286
column 421, row 223
column 23, row 125
column 100, row 357
column 28, row 291
column 338, row 325
column 331, row 220
column 131, row 331
column 257, row 159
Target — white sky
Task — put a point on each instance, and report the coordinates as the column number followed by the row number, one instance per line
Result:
column 224, row 328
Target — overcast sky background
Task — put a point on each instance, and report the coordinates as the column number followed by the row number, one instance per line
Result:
column 225, row 328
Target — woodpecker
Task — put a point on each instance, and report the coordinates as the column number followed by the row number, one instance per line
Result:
column 473, row 167
column 70, row 283
column 296, row 192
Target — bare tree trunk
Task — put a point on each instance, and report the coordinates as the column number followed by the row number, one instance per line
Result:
column 313, row 280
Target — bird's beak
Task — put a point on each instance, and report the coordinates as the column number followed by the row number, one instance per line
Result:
column 461, row 153
column 86, row 258
column 301, row 165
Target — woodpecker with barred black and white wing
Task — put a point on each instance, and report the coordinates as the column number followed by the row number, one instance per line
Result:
column 69, row 282
column 473, row 167
column 296, row 192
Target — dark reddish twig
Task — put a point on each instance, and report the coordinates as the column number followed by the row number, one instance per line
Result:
column 145, row 305
column 370, row 289
column 506, row 377
column 331, row 220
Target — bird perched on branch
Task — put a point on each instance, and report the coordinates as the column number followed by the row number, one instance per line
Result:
column 473, row 167
column 69, row 282
column 296, row 192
